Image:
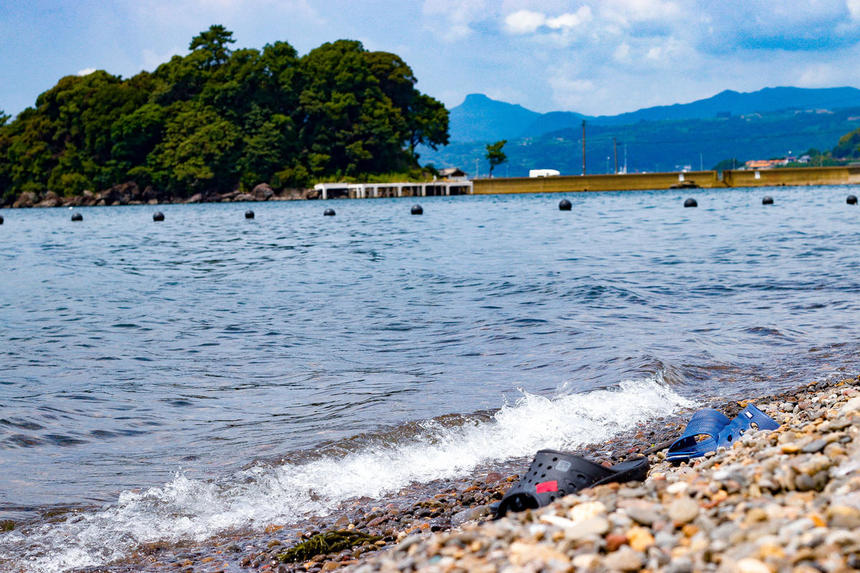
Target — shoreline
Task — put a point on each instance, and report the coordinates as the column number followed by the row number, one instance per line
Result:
column 130, row 193
column 785, row 500
column 451, row 529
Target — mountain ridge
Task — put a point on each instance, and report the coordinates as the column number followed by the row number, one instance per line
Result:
column 481, row 118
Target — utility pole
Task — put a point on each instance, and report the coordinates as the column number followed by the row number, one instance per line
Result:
column 615, row 150
column 583, row 147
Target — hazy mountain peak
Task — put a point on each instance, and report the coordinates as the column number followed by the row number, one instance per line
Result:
column 481, row 118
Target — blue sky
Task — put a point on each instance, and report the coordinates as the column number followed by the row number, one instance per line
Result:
column 594, row 57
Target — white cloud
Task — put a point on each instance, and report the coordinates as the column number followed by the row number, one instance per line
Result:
column 524, row 22
column 818, row 75
column 453, row 19
column 570, row 90
column 86, row 71
column 629, row 12
column 622, row 53
column 853, row 9
column 570, row 20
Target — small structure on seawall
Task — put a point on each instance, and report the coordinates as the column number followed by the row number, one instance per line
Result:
column 544, row 173
column 399, row 189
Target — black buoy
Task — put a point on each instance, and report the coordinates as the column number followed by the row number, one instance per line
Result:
column 329, row 212
column 564, row 205
column 768, row 200
column 417, row 210
column 690, row 203
column 852, row 200
column 249, row 214
column 158, row 216
column 77, row 217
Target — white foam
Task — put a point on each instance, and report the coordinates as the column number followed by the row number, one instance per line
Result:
column 195, row 509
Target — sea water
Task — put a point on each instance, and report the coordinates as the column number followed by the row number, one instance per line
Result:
column 168, row 381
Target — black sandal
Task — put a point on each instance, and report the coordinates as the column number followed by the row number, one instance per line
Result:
column 554, row 475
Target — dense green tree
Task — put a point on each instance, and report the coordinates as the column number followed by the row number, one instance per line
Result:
column 848, row 146
column 495, row 155
column 427, row 124
column 199, row 152
column 266, row 151
column 216, row 119
column 347, row 123
column 136, row 134
column 214, row 44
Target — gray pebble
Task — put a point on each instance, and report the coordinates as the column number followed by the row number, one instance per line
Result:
column 643, row 515
column 814, row 446
column 683, row 510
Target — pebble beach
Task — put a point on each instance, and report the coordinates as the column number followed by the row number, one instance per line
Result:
column 782, row 500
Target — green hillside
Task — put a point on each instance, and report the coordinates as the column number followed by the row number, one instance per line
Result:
column 661, row 145
column 219, row 119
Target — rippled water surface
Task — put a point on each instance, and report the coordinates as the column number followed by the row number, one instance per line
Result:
column 244, row 354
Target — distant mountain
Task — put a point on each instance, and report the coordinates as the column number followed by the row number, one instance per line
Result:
column 730, row 125
column 731, row 102
column 659, row 145
column 480, row 118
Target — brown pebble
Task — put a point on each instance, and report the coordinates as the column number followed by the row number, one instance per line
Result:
column 614, row 541
column 377, row 521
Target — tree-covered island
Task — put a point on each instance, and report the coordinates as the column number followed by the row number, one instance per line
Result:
column 220, row 121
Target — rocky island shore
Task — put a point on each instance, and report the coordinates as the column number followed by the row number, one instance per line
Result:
column 132, row 194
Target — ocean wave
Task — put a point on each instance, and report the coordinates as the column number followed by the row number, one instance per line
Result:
column 190, row 509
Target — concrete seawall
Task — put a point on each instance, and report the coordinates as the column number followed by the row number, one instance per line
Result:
column 644, row 181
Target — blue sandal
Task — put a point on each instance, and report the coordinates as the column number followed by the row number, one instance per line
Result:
column 718, row 430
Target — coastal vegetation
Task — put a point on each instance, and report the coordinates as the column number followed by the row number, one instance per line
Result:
column 495, row 155
column 848, row 146
column 221, row 119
